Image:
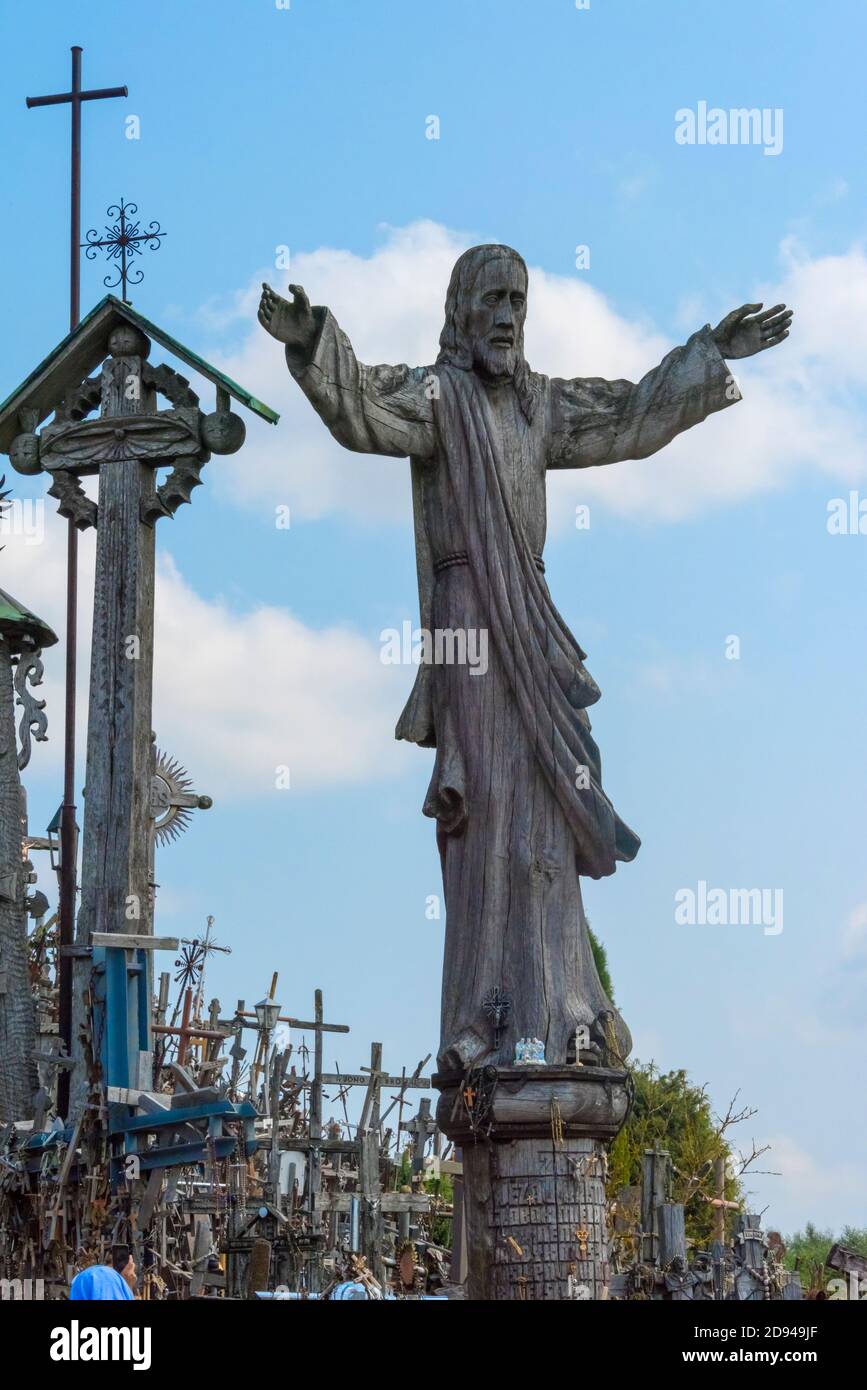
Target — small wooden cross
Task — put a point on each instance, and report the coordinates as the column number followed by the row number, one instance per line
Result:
column 188, row 1030
column 422, row 1126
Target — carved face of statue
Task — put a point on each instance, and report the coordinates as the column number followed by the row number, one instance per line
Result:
column 494, row 316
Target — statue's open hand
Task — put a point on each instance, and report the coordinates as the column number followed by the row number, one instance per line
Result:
column 746, row 331
column 289, row 321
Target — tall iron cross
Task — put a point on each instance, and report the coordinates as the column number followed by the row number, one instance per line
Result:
column 74, row 98
column 68, row 829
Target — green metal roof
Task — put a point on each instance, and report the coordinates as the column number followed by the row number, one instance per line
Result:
column 16, row 621
column 84, row 348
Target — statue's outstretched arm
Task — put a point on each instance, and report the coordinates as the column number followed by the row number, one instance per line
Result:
column 371, row 410
column 595, row 421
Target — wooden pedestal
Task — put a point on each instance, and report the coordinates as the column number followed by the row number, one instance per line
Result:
column 534, row 1143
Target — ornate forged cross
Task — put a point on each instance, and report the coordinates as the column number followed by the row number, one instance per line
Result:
column 122, row 241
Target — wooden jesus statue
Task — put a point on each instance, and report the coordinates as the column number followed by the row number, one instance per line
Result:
column 517, row 788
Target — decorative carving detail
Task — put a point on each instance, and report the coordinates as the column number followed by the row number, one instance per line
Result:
column 223, row 432
column 24, row 454
column 174, row 491
column 170, row 384
column 153, row 439
column 81, row 401
column 33, row 721
column 74, row 504
column 185, row 475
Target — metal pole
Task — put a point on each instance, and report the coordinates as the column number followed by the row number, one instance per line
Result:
column 68, row 837
column 314, row 1172
column 75, row 195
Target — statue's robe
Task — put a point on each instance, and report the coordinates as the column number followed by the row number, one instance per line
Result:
column 516, row 786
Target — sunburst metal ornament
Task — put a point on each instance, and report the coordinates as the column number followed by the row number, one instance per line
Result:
column 172, row 800
column 194, row 955
column 407, row 1259
column 123, row 240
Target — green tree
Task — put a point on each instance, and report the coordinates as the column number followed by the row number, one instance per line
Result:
column 441, row 1227
column 670, row 1112
column 600, row 956
column 808, row 1250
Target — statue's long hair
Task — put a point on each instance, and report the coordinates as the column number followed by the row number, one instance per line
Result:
column 456, row 349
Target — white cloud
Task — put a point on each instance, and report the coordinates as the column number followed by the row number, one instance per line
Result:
column 800, row 411
column 854, row 946
column 833, row 192
column 391, row 305
column 805, row 1180
column 269, row 689
column 685, row 677
column 236, row 693
column 260, row 690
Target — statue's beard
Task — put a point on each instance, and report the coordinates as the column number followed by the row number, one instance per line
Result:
column 499, row 363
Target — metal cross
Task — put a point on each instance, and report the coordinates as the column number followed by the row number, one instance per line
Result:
column 74, row 98
column 497, row 1006
column 123, row 240
column 68, row 828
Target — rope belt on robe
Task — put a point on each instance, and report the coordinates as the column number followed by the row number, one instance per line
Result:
column 541, row 661
column 460, row 557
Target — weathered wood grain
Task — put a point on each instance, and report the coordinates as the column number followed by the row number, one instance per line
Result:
column 536, row 1225
column 116, row 892
column 130, row 942
column 516, row 789
column 18, row 1079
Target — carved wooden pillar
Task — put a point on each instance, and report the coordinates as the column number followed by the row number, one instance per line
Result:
column 115, row 887
column 534, row 1142
column 116, row 893
column 125, row 445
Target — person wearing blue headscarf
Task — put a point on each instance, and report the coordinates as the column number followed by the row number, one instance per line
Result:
column 114, row 1281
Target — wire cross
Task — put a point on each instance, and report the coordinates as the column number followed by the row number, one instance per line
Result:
column 122, row 241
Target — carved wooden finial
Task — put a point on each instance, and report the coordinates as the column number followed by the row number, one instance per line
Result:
column 128, row 341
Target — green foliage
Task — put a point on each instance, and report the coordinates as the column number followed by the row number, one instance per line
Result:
column 600, row 957
column 403, row 1176
column 854, row 1238
column 441, row 1226
column 809, row 1249
column 440, row 1229
column 672, row 1113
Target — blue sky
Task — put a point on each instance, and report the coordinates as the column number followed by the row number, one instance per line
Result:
column 305, row 127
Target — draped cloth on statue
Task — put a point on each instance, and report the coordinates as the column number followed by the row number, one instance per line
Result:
column 516, row 788
column 539, row 660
